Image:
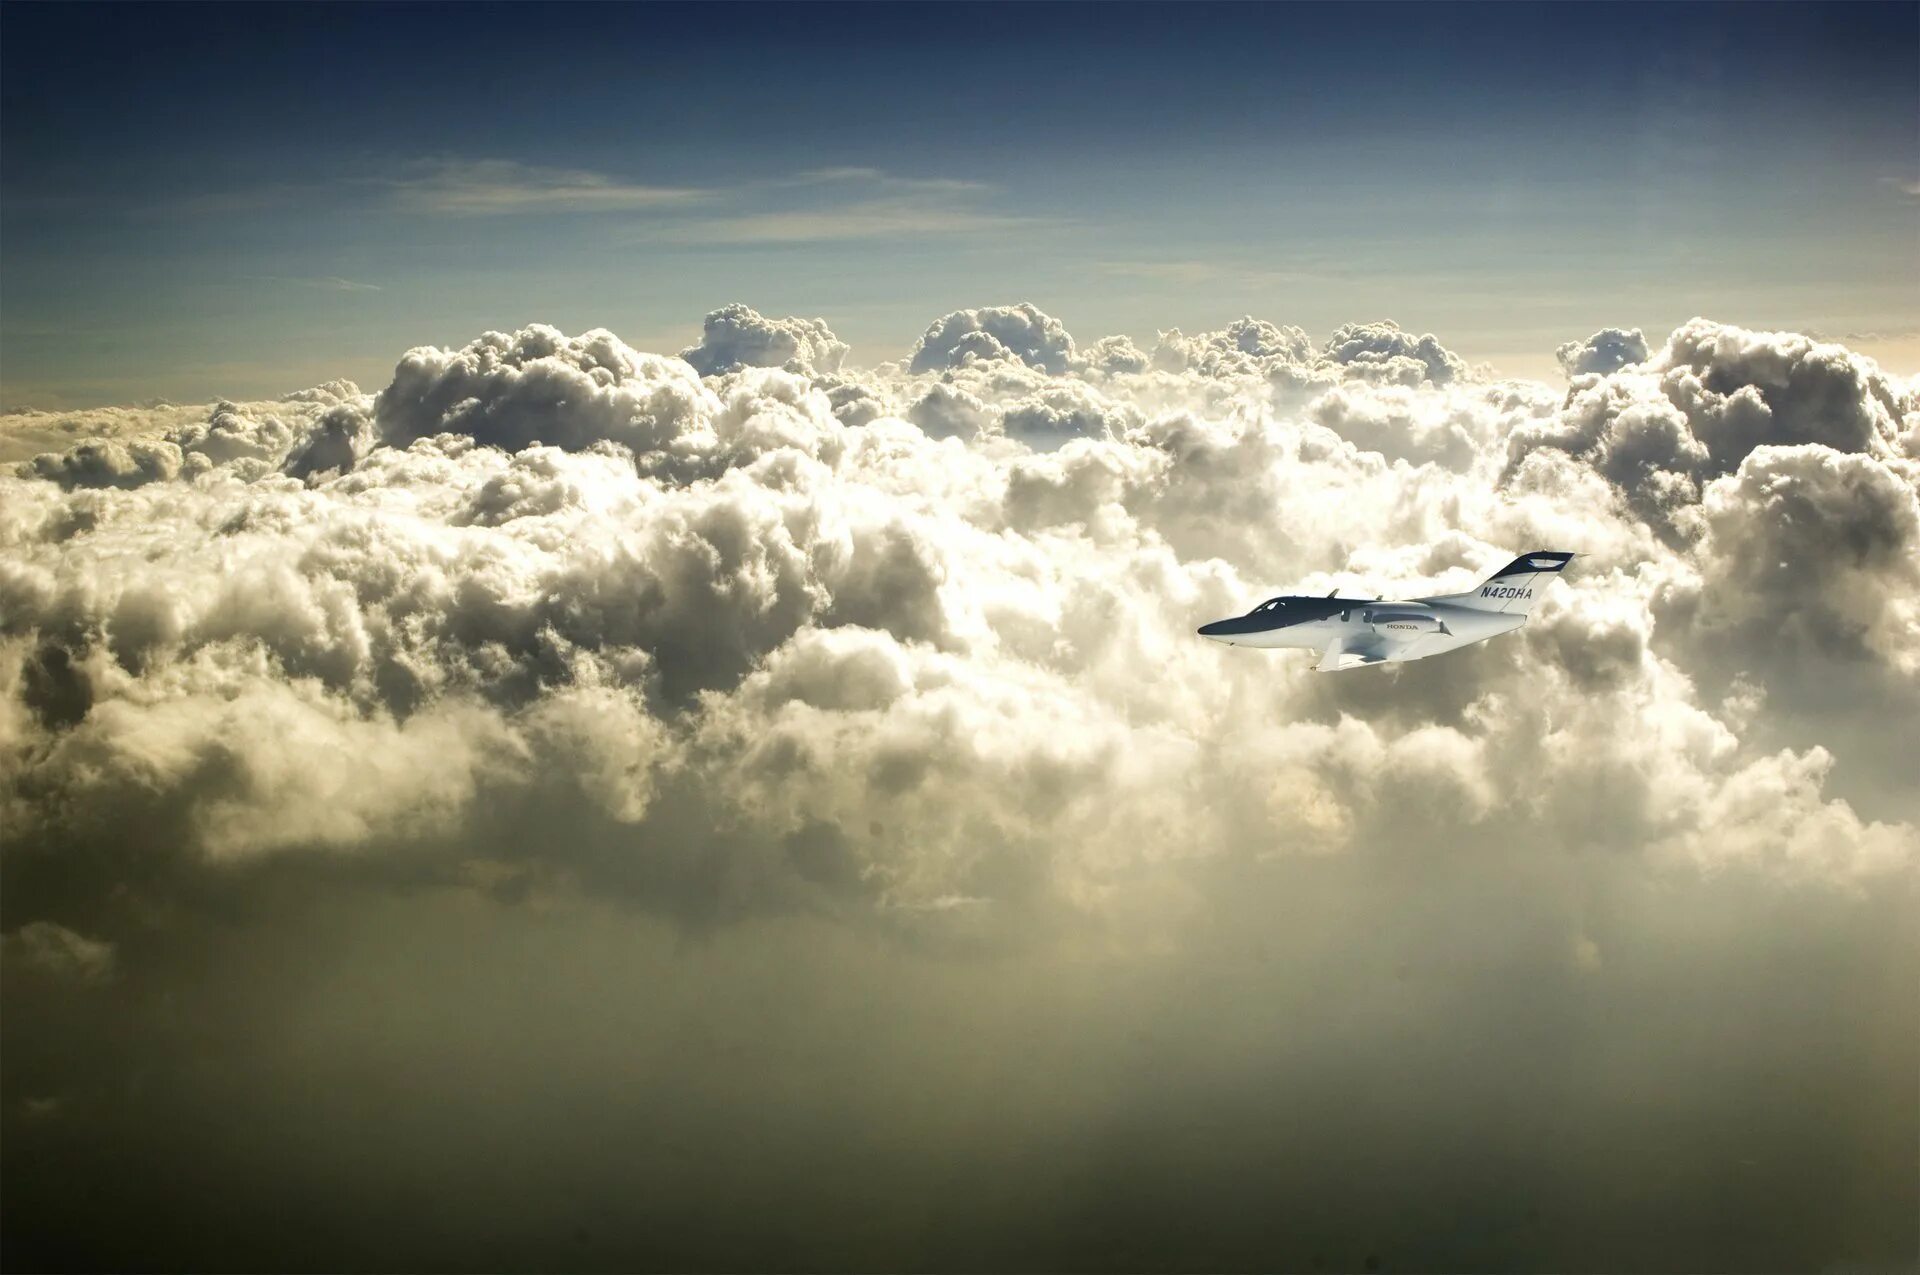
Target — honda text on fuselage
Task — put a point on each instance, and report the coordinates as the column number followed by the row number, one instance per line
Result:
column 1350, row 633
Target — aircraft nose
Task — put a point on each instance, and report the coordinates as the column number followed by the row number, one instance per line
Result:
column 1217, row 630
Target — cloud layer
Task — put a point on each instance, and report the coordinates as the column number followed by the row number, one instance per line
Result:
column 751, row 644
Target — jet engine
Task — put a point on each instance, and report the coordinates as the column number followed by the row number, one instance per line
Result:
column 1404, row 623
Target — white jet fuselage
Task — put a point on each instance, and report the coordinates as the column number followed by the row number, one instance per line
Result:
column 1426, row 627
column 1351, row 633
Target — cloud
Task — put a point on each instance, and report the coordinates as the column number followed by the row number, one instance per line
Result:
column 1706, row 400
column 326, row 283
column 816, row 205
column 1605, row 352
column 569, row 747
column 857, row 220
column 1059, row 413
column 1238, row 274
column 581, row 510
column 53, row 951
column 830, row 205
column 1744, row 389
column 500, row 187
column 110, row 464
column 854, row 174
column 29, row 432
column 735, row 336
column 539, row 385
column 1246, row 346
column 1384, row 352
column 1808, row 598
column 1820, row 546
column 991, row 333
column 1115, row 354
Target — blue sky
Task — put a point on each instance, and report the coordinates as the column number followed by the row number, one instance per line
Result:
column 243, row 200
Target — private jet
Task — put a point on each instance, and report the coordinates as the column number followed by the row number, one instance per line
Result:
column 1350, row 633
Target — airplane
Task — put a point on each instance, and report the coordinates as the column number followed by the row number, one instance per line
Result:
column 1350, row 633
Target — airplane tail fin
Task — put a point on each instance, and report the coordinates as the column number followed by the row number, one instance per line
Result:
column 1514, row 588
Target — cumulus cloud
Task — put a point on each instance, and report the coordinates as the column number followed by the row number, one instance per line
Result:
column 947, row 412
column 1381, row 351
column 1023, row 332
column 552, row 653
column 1743, row 390
column 33, row 433
column 1115, row 354
column 1247, row 345
column 1606, row 351
column 1708, row 398
column 534, row 512
column 736, row 336
column 325, row 427
column 539, row 385
column 110, row 463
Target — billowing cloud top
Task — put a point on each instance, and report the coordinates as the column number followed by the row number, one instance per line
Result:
column 543, row 560
column 740, row 634
column 736, row 337
column 1605, row 351
column 1247, row 344
column 1383, row 351
column 1022, row 332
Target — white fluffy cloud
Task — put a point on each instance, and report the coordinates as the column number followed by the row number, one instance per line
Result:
column 1383, row 352
column 1693, row 411
column 992, row 333
column 540, row 386
column 379, row 736
column 1247, row 345
column 735, row 336
column 356, row 622
column 1606, row 351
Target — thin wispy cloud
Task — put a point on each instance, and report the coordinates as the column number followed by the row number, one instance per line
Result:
column 868, row 219
column 891, row 181
column 1196, row 272
column 872, row 204
column 492, row 187
column 815, row 205
column 440, row 186
column 325, row 283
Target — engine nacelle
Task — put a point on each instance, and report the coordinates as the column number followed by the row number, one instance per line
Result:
column 1404, row 623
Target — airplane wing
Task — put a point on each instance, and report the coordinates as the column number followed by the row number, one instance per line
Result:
column 1351, row 652
column 1361, row 649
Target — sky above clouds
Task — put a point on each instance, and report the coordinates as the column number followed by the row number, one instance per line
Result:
column 193, row 205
